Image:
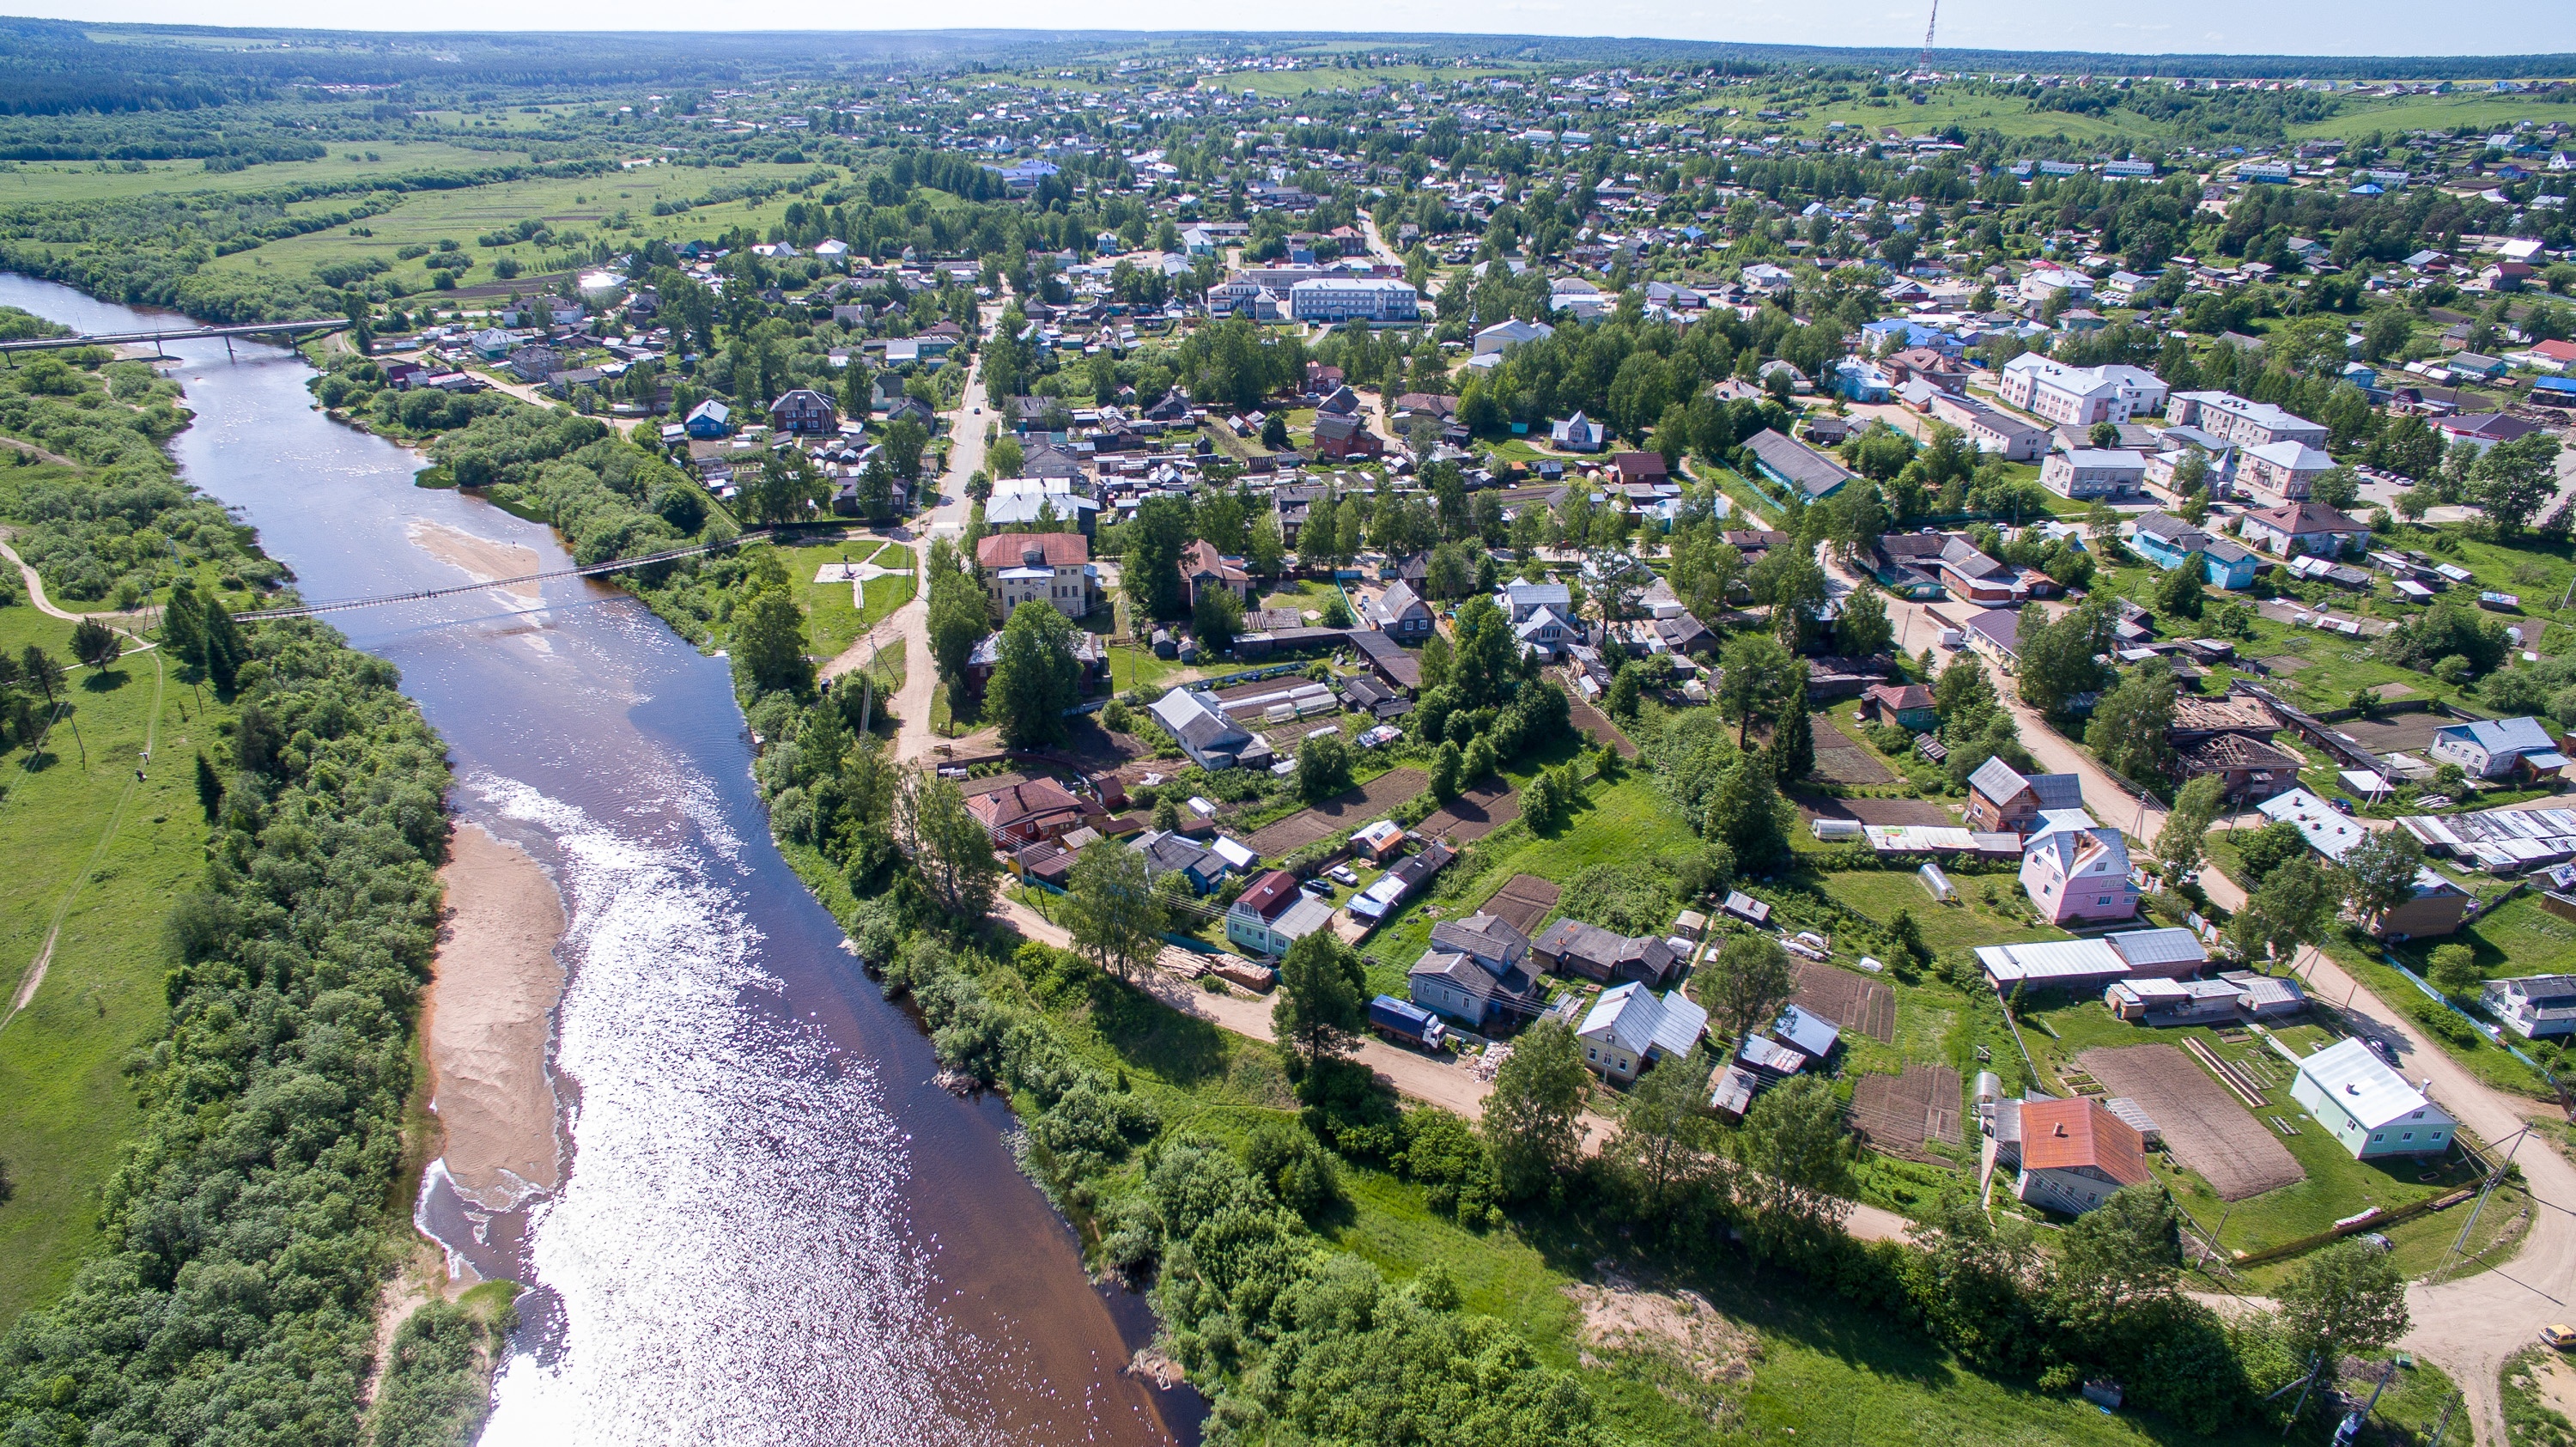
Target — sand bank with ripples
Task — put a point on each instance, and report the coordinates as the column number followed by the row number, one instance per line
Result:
column 481, row 558
column 488, row 1016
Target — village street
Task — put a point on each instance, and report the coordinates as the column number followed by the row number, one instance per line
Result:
column 2469, row 1325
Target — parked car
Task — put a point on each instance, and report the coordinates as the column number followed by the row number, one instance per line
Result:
column 2560, row 1336
column 2340, row 806
column 1343, row 873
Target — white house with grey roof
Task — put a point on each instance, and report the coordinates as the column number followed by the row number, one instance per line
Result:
column 1520, row 600
column 2368, row 1108
column 1197, row 722
column 2493, row 748
column 2534, row 1005
column 1629, row 1027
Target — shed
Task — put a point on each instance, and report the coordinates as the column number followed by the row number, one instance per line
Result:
column 1746, row 908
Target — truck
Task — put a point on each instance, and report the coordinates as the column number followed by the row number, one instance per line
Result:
column 1406, row 1022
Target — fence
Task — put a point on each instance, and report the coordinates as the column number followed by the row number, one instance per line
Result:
column 2341, row 1229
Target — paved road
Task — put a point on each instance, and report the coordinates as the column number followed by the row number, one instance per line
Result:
column 2470, row 1325
column 946, row 517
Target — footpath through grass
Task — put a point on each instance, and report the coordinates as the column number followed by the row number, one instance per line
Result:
column 65, row 1106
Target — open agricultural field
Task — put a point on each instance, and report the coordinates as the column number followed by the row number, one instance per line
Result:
column 618, row 208
column 361, row 161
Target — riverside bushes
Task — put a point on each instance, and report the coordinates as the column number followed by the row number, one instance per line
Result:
column 247, row 1232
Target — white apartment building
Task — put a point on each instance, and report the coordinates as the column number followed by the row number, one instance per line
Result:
column 2094, row 472
column 1332, row 299
column 2080, row 396
column 2231, row 418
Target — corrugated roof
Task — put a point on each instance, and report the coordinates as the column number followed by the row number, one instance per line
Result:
column 2159, row 946
column 2070, row 1134
column 2052, row 960
column 2359, row 1081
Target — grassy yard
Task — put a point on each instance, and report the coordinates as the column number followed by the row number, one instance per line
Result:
column 105, row 864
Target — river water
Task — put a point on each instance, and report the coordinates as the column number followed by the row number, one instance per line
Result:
column 775, row 1228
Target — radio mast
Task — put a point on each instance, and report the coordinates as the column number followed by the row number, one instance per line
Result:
column 1925, row 66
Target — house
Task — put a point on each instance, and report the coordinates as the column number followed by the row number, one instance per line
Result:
column 1790, row 463
column 1272, row 914
column 2483, row 430
column 2438, row 905
column 1630, row 1027
column 2234, row 995
column 2310, row 527
column 2251, row 770
column 1641, row 468
column 1521, row 601
column 1055, row 567
column 2001, row 801
column 1583, row 949
column 2079, row 396
column 1398, row 612
column 2286, row 469
column 1809, row 1034
column 1397, row 885
column 1027, row 812
column 1046, row 862
column 1339, row 436
column 709, row 420
column 1168, row 851
column 1332, row 300
column 2169, row 542
column 1197, row 722
column 2076, row 871
column 2369, row 1109
column 1475, row 968
column 1996, row 633
column 1546, row 634
column 535, row 363
column 2497, row 748
column 2534, row 1005
column 2104, row 473
column 2090, row 965
column 1202, row 566
column 804, row 410
column 2075, row 1154
column 1504, row 335
column 1577, row 433
column 1906, row 705
column 1090, row 661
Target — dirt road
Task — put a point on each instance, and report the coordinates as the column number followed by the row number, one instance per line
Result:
column 2470, row 1325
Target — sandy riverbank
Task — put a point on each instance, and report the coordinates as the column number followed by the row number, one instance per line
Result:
column 481, row 558
column 487, row 1019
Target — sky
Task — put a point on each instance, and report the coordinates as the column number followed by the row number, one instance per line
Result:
column 2294, row 27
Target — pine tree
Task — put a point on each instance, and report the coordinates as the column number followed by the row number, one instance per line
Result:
column 1793, row 745
column 210, row 789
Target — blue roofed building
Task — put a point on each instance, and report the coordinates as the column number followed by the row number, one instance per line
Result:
column 2498, row 748
column 2169, row 542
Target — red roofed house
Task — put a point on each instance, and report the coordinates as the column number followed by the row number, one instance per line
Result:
column 2075, row 1154
column 1640, row 466
column 1906, row 704
column 1027, row 812
column 1203, row 566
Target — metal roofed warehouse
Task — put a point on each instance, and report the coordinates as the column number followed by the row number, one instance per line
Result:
column 2078, row 964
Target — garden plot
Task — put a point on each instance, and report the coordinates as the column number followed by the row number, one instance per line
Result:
column 1899, row 1114
column 1876, row 811
column 1344, row 812
column 1854, row 1002
column 1522, row 902
column 1474, row 814
column 1843, row 761
column 2206, row 1128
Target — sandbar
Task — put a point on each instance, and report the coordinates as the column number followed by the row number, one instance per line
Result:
column 488, row 1017
column 482, row 559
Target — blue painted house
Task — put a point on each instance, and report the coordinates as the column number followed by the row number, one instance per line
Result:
column 1862, row 381
column 2169, row 542
column 709, row 420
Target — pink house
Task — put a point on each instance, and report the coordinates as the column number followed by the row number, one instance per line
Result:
column 2077, row 871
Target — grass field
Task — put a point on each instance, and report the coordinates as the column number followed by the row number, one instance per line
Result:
column 586, row 204
column 106, row 863
column 110, row 180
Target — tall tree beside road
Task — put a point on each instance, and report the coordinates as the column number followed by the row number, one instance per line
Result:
column 769, row 638
column 1322, row 1005
column 1665, row 1134
column 2131, row 723
column 949, row 846
column 2180, row 848
column 1755, row 682
column 2057, row 658
column 1111, row 910
column 94, row 643
column 1155, row 538
column 1797, row 1178
column 2378, row 874
column 1035, row 678
column 1751, row 979
column 904, row 443
column 2293, row 906
column 2514, row 479
column 959, row 616
column 1533, row 1123
column 1864, row 631
column 2117, row 1257
column 2349, row 1297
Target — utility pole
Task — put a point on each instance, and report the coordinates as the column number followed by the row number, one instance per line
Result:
column 2494, row 1179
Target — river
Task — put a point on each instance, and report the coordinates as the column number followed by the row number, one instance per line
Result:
column 775, row 1227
